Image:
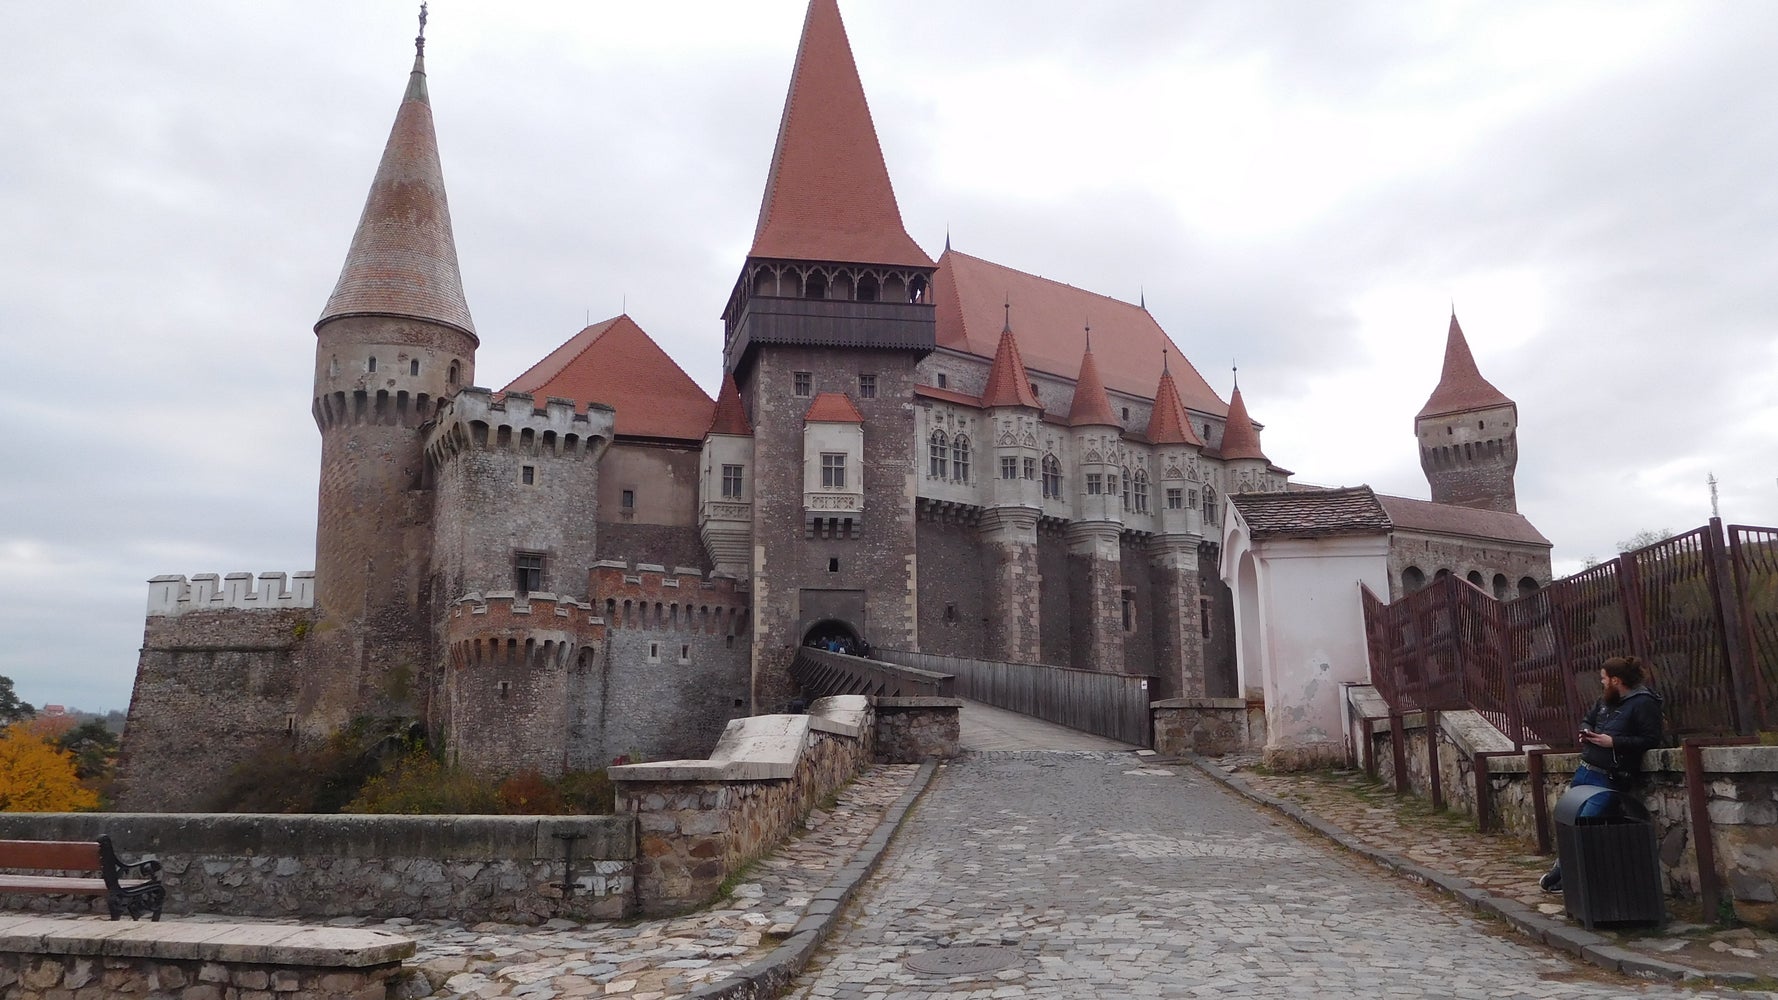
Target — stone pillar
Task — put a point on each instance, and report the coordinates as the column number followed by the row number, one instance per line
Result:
column 1009, row 540
column 1095, row 581
column 1178, row 620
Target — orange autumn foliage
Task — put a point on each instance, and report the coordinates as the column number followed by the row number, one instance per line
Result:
column 36, row 776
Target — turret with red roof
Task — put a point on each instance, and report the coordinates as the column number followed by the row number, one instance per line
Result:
column 1469, row 434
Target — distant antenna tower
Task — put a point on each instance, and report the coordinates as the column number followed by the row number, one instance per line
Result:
column 1715, row 510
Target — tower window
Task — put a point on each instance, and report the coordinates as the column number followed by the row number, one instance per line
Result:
column 1175, row 498
column 505, row 686
column 456, row 373
column 960, row 458
column 627, row 500
column 527, row 572
column 1204, row 615
column 731, row 482
column 1129, row 607
column 938, row 452
column 654, row 652
column 804, row 382
column 867, row 386
column 833, row 470
column 371, row 366
column 950, row 613
column 1095, row 484
column 685, row 652
column 942, row 380
column 1126, row 413
column 528, row 475
column 333, row 366
column 833, row 564
column 413, row 367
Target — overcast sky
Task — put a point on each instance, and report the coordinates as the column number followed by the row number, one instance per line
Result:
column 1304, row 187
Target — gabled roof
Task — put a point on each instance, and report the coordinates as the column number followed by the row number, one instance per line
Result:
column 403, row 260
column 1240, row 439
column 616, row 363
column 969, row 291
column 828, row 195
column 1351, row 510
column 1449, row 519
column 1167, row 422
column 731, row 416
column 1461, row 387
column 1090, row 407
column 833, row 408
column 1008, row 382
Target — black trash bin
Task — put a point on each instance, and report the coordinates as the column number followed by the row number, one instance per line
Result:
column 1611, row 865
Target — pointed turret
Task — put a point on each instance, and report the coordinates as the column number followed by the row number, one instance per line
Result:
column 731, row 416
column 1009, row 384
column 1091, row 406
column 1167, row 423
column 1240, row 439
column 1461, row 386
column 828, row 195
column 403, row 261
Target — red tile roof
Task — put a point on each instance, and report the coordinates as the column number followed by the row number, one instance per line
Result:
column 948, row 395
column 1461, row 386
column 1090, row 405
column 1167, row 422
column 403, row 261
column 1240, row 439
column 1450, row 519
column 828, row 195
column 616, row 363
column 833, row 408
column 1008, row 382
column 969, row 291
column 731, row 416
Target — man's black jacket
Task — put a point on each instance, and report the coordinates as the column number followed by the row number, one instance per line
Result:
column 1634, row 725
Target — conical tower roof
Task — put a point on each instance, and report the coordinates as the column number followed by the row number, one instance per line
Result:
column 1461, row 387
column 1240, row 439
column 1091, row 406
column 1167, row 423
column 828, row 195
column 403, row 261
column 1009, row 384
column 731, row 416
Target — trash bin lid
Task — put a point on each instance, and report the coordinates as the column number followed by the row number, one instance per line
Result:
column 1569, row 805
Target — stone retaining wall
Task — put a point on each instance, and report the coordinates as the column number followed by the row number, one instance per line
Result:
column 471, row 868
column 1208, row 725
column 911, row 730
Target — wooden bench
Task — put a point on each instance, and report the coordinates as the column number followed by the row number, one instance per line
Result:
column 134, row 887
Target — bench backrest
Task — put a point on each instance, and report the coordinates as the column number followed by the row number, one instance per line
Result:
column 50, row 855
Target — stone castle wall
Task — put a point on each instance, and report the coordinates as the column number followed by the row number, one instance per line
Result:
column 953, row 582
column 1431, row 553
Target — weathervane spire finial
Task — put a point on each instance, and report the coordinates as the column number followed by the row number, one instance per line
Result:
column 420, row 39
column 1237, row 370
column 1089, row 336
column 1007, row 326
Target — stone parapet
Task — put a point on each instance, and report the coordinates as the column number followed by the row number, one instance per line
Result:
column 911, row 730
column 174, row 595
column 1210, row 726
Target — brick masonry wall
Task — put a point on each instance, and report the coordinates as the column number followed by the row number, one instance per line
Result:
column 88, row 977
column 470, row 868
column 951, row 573
column 878, row 565
column 236, row 672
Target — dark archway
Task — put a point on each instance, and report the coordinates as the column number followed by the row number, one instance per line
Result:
column 831, row 630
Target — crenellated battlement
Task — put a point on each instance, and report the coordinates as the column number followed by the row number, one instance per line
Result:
column 476, row 420
column 649, row 596
column 171, row 596
column 509, row 627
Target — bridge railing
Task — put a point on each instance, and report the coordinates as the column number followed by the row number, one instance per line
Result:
column 821, row 673
column 1111, row 705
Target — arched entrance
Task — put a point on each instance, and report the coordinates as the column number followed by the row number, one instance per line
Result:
column 831, row 632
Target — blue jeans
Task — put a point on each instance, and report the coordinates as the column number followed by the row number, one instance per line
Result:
column 1598, row 805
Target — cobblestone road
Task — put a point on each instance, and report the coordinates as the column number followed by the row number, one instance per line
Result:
column 1109, row 877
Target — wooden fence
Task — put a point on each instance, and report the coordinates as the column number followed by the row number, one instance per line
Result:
column 1111, row 705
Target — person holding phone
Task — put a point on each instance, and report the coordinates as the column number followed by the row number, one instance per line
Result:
column 1614, row 734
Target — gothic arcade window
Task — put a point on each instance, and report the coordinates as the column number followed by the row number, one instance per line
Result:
column 1052, row 478
column 1095, row 484
column 1141, row 491
column 1009, row 467
column 527, row 572
column 1209, row 505
column 960, row 458
column 731, row 482
column 1030, row 468
column 804, row 382
column 1126, row 489
column 1175, row 498
column 938, row 452
column 833, row 470
column 867, row 386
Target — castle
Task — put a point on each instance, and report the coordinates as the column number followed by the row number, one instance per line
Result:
column 945, row 455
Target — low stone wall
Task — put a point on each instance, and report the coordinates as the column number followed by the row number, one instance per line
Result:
column 50, row 959
column 1741, row 784
column 911, row 730
column 701, row 820
column 1208, row 725
column 471, row 868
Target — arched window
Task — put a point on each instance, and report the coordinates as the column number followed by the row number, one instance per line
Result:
column 938, row 456
column 1527, row 586
column 456, row 374
column 1501, row 587
column 960, row 459
column 1141, row 490
column 1441, row 574
column 815, row 285
column 867, row 288
column 1412, row 579
column 1052, row 478
column 1126, row 489
column 1475, row 577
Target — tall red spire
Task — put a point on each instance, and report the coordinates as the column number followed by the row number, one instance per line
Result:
column 828, row 195
column 403, row 261
column 731, row 416
column 1461, row 386
column 1091, row 405
column 1167, row 423
column 1240, row 439
column 1009, row 384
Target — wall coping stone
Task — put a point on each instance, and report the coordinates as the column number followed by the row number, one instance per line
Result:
column 759, row 747
column 1216, row 703
column 919, row 701
column 247, row 944
column 841, row 714
column 1717, row 760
